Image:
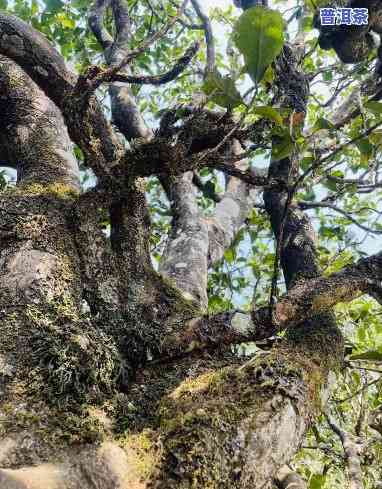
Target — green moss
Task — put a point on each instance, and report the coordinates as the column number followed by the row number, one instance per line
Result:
column 174, row 297
column 57, row 426
column 57, row 190
column 142, row 452
column 71, row 360
column 202, row 416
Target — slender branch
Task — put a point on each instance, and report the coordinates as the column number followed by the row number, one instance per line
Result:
column 351, row 453
column 331, row 155
column 206, row 25
column 315, row 205
column 360, row 391
column 179, row 66
column 95, row 78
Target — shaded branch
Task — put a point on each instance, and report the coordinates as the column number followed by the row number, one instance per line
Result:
column 96, row 18
column 207, row 191
column 94, row 78
column 87, row 126
column 208, row 34
column 33, row 135
column 210, row 332
column 315, row 205
column 170, row 75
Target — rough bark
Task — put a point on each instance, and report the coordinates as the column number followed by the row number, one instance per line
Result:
column 231, row 212
column 33, row 137
column 288, row 479
column 185, row 257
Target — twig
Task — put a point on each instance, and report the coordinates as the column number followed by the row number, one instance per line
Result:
column 170, row 75
column 314, row 205
column 96, row 79
column 340, row 401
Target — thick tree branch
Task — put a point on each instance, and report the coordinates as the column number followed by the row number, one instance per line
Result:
column 129, row 215
column 99, row 266
column 164, row 156
column 87, row 126
column 230, row 213
column 96, row 24
column 185, row 257
column 33, row 135
column 306, row 299
column 309, row 297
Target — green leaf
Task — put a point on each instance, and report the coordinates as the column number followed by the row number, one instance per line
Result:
column 376, row 137
column 307, row 162
column 268, row 113
column 54, row 5
column 364, row 146
column 269, row 75
column 322, row 123
column 372, row 355
column 34, row 7
column 222, row 90
column 331, row 185
column 374, row 107
column 259, row 36
column 317, row 481
column 229, row 255
column 283, row 148
column 65, row 21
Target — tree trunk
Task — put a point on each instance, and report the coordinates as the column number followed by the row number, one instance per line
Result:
column 126, row 395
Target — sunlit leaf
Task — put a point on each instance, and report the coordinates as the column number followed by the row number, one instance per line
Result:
column 268, row 113
column 283, row 147
column 259, row 36
column 375, row 356
column 374, row 107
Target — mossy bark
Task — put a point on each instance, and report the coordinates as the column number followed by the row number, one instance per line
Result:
column 100, row 398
